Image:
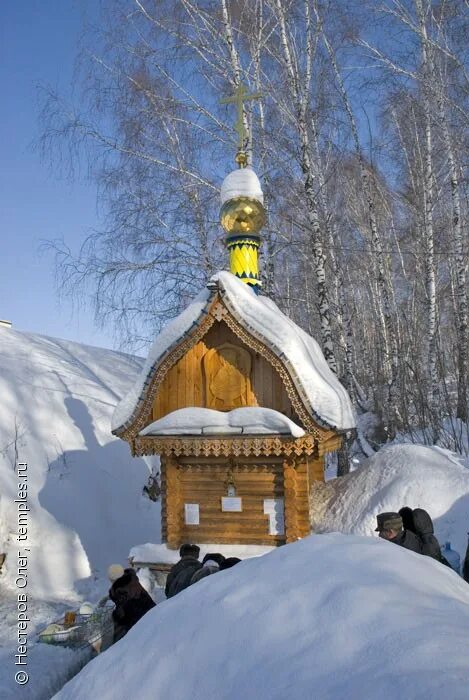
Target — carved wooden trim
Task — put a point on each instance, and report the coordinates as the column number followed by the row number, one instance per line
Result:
column 239, row 374
column 224, row 447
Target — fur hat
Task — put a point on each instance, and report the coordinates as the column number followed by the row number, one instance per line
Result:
column 228, row 563
column 216, row 557
column 114, row 572
column 388, row 521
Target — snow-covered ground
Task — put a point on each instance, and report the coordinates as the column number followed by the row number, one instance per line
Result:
column 327, row 618
column 318, row 619
column 83, row 488
column 396, row 476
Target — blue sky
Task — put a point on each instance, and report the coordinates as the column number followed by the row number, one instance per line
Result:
column 38, row 45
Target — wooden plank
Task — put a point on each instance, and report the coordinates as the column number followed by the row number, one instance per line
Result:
column 238, row 539
column 189, row 378
column 182, row 382
column 248, row 477
column 246, row 532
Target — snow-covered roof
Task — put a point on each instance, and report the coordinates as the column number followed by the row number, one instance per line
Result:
column 249, row 420
column 323, row 395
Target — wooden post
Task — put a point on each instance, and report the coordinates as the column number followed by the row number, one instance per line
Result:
column 291, row 512
column 173, row 503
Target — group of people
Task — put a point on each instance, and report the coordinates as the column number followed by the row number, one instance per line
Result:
column 189, row 569
column 132, row 601
column 411, row 529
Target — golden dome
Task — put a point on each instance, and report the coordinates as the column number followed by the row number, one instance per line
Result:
column 242, row 215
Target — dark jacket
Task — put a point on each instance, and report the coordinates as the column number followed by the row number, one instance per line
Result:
column 131, row 600
column 423, row 528
column 408, row 540
column 465, row 568
column 407, row 515
column 180, row 575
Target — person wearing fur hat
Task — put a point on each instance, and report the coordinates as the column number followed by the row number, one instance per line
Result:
column 131, row 600
column 229, row 562
column 390, row 527
column 420, row 522
column 181, row 573
column 210, row 565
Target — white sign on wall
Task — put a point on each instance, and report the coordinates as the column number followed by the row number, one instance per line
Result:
column 231, row 505
column 191, row 514
column 274, row 508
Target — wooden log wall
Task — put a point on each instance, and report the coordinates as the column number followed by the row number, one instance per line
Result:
column 186, row 385
column 253, row 484
column 204, row 481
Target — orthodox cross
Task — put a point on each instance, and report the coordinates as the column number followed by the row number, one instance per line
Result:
column 240, row 96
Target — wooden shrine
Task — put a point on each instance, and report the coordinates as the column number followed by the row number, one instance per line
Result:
column 236, row 399
column 229, row 488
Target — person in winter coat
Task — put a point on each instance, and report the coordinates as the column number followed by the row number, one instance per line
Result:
column 390, row 527
column 229, row 562
column 210, row 565
column 131, row 601
column 465, row 568
column 181, row 573
column 420, row 523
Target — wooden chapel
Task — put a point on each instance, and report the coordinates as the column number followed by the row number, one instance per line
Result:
column 237, row 400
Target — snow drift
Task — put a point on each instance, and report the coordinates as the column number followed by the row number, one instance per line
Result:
column 396, row 476
column 84, row 488
column 329, row 617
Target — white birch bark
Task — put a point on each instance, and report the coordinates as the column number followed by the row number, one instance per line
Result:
column 300, row 92
column 460, row 264
column 391, row 355
column 428, row 187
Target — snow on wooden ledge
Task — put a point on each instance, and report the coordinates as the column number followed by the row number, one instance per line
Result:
column 160, row 554
column 249, row 420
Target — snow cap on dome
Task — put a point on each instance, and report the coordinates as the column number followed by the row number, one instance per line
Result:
column 241, row 183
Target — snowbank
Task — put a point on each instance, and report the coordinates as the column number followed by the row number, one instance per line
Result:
column 84, row 488
column 325, row 396
column 250, row 420
column 329, row 617
column 159, row 553
column 396, row 476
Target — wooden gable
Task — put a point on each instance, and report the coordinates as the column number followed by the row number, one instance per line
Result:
column 222, row 372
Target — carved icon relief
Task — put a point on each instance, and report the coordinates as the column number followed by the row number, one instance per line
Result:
column 227, row 374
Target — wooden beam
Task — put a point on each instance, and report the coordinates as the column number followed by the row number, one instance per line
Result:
column 291, row 516
column 174, row 519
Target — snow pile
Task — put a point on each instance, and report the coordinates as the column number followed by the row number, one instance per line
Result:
column 206, row 421
column 84, row 488
column 329, row 617
column 401, row 475
column 323, row 393
column 159, row 553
